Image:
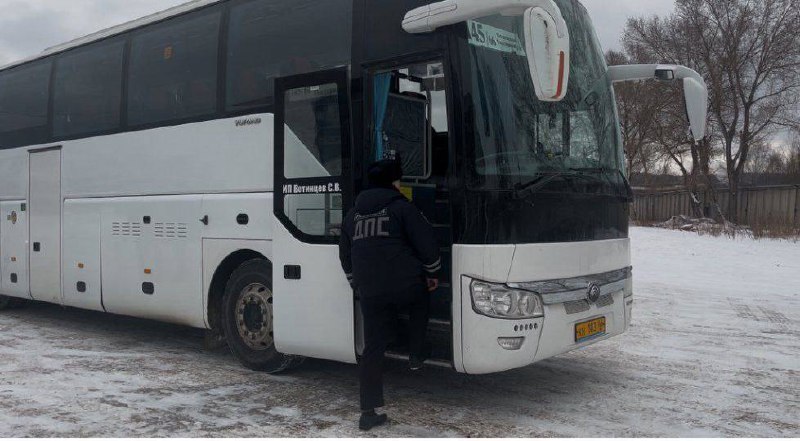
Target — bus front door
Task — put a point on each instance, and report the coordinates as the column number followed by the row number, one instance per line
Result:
column 313, row 303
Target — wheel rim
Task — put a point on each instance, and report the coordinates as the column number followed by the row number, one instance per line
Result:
column 254, row 316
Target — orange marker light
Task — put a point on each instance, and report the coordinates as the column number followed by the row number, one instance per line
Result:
column 148, row 271
column 80, row 265
column 13, row 259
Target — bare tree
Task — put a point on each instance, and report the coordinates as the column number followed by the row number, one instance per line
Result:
column 793, row 159
column 654, row 41
column 751, row 56
column 760, row 155
column 749, row 53
column 639, row 108
column 776, row 164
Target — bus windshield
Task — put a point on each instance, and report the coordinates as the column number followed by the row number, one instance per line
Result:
column 518, row 138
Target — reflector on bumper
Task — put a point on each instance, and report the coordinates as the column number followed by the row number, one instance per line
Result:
column 511, row 343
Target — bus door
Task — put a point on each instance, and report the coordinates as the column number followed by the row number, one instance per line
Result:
column 313, row 303
column 45, row 225
column 408, row 108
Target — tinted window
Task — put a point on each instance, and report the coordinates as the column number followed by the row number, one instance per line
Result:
column 276, row 38
column 313, row 149
column 313, row 133
column 173, row 70
column 24, row 97
column 88, row 90
column 315, row 214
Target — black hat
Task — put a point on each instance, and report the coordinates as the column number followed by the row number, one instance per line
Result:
column 383, row 174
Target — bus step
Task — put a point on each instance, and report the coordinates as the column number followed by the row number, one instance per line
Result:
column 432, row 323
column 432, row 362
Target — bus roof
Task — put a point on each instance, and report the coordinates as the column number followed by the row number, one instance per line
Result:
column 116, row 30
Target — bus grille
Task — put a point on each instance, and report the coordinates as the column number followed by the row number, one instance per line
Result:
column 576, row 306
column 606, row 300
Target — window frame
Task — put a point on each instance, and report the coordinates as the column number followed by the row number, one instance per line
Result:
column 341, row 78
column 124, row 41
column 39, row 134
column 219, row 9
column 222, row 111
column 268, row 102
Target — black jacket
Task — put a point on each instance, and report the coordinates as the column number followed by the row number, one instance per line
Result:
column 387, row 245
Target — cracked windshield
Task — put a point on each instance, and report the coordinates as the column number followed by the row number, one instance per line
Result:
column 519, row 140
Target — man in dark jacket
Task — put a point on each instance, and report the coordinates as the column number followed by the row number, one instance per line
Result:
column 391, row 257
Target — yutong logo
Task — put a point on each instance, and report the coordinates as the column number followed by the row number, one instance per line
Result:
column 593, row 293
column 248, row 122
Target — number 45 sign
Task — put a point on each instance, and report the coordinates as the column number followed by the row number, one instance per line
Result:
column 490, row 37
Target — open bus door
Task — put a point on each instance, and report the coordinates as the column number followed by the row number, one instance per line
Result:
column 313, row 303
column 409, row 116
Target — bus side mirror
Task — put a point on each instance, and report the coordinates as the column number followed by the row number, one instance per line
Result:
column 547, row 47
column 694, row 88
column 696, row 106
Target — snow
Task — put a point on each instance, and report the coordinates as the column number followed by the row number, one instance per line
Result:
column 713, row 351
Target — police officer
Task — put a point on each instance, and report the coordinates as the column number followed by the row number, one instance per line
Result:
column 391, row 257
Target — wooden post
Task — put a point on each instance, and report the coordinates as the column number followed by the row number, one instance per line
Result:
column 797, row 206
column 652, row 207
column 742, row 207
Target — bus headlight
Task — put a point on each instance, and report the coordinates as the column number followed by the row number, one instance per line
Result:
column 499, row 301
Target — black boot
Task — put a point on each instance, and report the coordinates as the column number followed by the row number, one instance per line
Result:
column 417, row 361
column 371, row 419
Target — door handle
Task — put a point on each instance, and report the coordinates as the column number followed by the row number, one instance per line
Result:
column 37, row 246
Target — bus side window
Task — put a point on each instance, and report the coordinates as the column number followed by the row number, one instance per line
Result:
column 160, row 89
column 279, row 38
column 88, row 90
column 24, row 97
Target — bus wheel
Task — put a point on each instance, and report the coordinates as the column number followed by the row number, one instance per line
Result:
column 248, row 319
column 10, row 302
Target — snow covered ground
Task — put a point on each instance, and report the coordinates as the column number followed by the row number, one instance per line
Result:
column 714, row 351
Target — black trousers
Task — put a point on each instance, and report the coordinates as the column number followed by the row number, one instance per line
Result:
column 380, row 311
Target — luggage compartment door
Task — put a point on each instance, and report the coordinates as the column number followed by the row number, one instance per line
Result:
column 14, row 249
column 45, row 225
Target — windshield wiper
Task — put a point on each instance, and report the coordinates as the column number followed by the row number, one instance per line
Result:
column 604, row 172
column 544, row 179
column 588, row 174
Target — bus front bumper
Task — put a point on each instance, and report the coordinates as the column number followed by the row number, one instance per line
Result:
column 493, row 345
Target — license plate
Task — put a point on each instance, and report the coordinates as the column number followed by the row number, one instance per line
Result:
column 591, row 329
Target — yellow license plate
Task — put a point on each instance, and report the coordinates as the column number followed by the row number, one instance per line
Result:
column 591, row 329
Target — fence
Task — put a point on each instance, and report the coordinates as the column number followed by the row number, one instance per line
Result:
column 757, row 205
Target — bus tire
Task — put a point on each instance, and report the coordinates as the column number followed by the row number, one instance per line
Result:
column 247, row 319
column 10, row 302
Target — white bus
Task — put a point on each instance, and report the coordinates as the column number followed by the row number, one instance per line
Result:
column 194, row 166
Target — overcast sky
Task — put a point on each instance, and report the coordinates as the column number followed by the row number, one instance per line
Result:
column 29, row 26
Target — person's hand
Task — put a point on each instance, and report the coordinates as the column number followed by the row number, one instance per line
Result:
column 433, row 285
